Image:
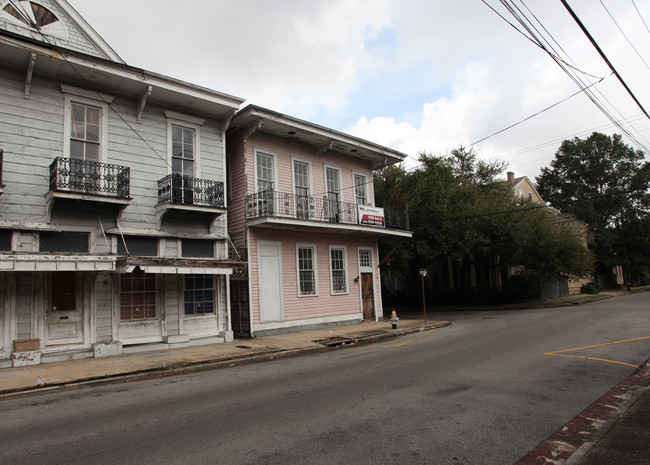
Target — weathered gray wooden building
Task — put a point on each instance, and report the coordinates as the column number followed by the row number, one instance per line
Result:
column 113, row 224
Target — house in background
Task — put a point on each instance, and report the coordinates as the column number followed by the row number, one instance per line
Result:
column 302, row 212
column 113, row 220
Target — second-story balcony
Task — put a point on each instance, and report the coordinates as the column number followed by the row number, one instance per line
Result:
column 282, row 208
column 89, row 177
column 188, row 198
column 187, row 190
column 73, row 181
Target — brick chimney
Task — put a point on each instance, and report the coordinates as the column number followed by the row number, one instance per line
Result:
column 511, row 177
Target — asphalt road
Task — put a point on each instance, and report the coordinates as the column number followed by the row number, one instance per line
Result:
column 480, row 391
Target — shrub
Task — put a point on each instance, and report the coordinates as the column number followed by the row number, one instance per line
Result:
column 588, row 289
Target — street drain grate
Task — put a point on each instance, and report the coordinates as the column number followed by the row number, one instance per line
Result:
column 242, row 347
column 336, row 341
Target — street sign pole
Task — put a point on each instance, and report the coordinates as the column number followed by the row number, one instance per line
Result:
column 423, row 274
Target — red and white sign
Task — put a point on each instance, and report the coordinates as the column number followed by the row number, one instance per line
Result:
column 371, row 216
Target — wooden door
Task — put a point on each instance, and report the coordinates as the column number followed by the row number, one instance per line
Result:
column 65, row 313
column 367, row 296
column 270, row 282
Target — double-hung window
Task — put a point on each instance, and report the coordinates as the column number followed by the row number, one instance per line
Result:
column 183, row 150
column 333, row 185
column 338, row 270
column 199, row 294
column 301, row 187
column 85, row 137
column 360, row 189
column 306, row 255
column 265, row 180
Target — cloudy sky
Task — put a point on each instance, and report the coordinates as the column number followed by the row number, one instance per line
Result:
column 414, row 75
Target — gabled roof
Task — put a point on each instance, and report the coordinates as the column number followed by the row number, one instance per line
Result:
column 253, row 118
column 523, row 187
column 54, row 23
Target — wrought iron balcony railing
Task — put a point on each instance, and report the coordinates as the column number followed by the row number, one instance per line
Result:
column 187, row 190
column 282, row 204
column 89, row 177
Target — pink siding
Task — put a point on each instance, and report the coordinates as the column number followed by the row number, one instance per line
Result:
column 241, row 158
column 285, row 149
column 325, row 303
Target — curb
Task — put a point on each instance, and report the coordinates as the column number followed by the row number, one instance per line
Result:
column 569, row 444
column 180, row 368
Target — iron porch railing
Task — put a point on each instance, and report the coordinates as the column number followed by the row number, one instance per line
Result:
column 90, row 177
column 324, row 209
column 187, row 190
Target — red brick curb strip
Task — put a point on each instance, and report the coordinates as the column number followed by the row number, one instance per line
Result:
column 587, row 425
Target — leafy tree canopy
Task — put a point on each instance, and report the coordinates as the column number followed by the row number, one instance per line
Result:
column 604, row 183
column 458, row 207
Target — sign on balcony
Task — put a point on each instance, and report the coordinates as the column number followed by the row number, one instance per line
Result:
column 371, row 216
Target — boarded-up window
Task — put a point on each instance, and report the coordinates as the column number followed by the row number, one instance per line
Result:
column 194, row 248
column 66, row 241
column 5, row 240
column 137, row 295
column 138, row 246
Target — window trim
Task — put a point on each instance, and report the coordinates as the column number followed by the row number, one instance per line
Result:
column 189, row 122
column 88, row 98
column 345, row 269
column 314, row 265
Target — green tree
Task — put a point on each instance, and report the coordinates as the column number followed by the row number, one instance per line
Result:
column 604, row 183
column 459, row 208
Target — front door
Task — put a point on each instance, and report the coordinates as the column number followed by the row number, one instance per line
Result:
column 367, row 296
column 64, row 315
column 270, row 282
column 367, row 288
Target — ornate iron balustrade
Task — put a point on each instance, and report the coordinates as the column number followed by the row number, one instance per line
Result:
column 187, row 190
column 89, row 177
column 273, row 203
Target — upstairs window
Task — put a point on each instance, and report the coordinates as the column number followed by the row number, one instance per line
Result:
column 85, row 124
column 361, row 189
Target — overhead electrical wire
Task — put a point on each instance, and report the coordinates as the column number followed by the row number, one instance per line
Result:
column 640, row 16
column 624, row 35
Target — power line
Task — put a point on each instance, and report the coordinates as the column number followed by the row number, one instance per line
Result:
column 624, row 35
column 602, row 54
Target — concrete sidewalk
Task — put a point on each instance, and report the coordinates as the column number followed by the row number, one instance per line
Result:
column 142, row 365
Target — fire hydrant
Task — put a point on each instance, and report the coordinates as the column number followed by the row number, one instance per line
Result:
column 394, row 319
